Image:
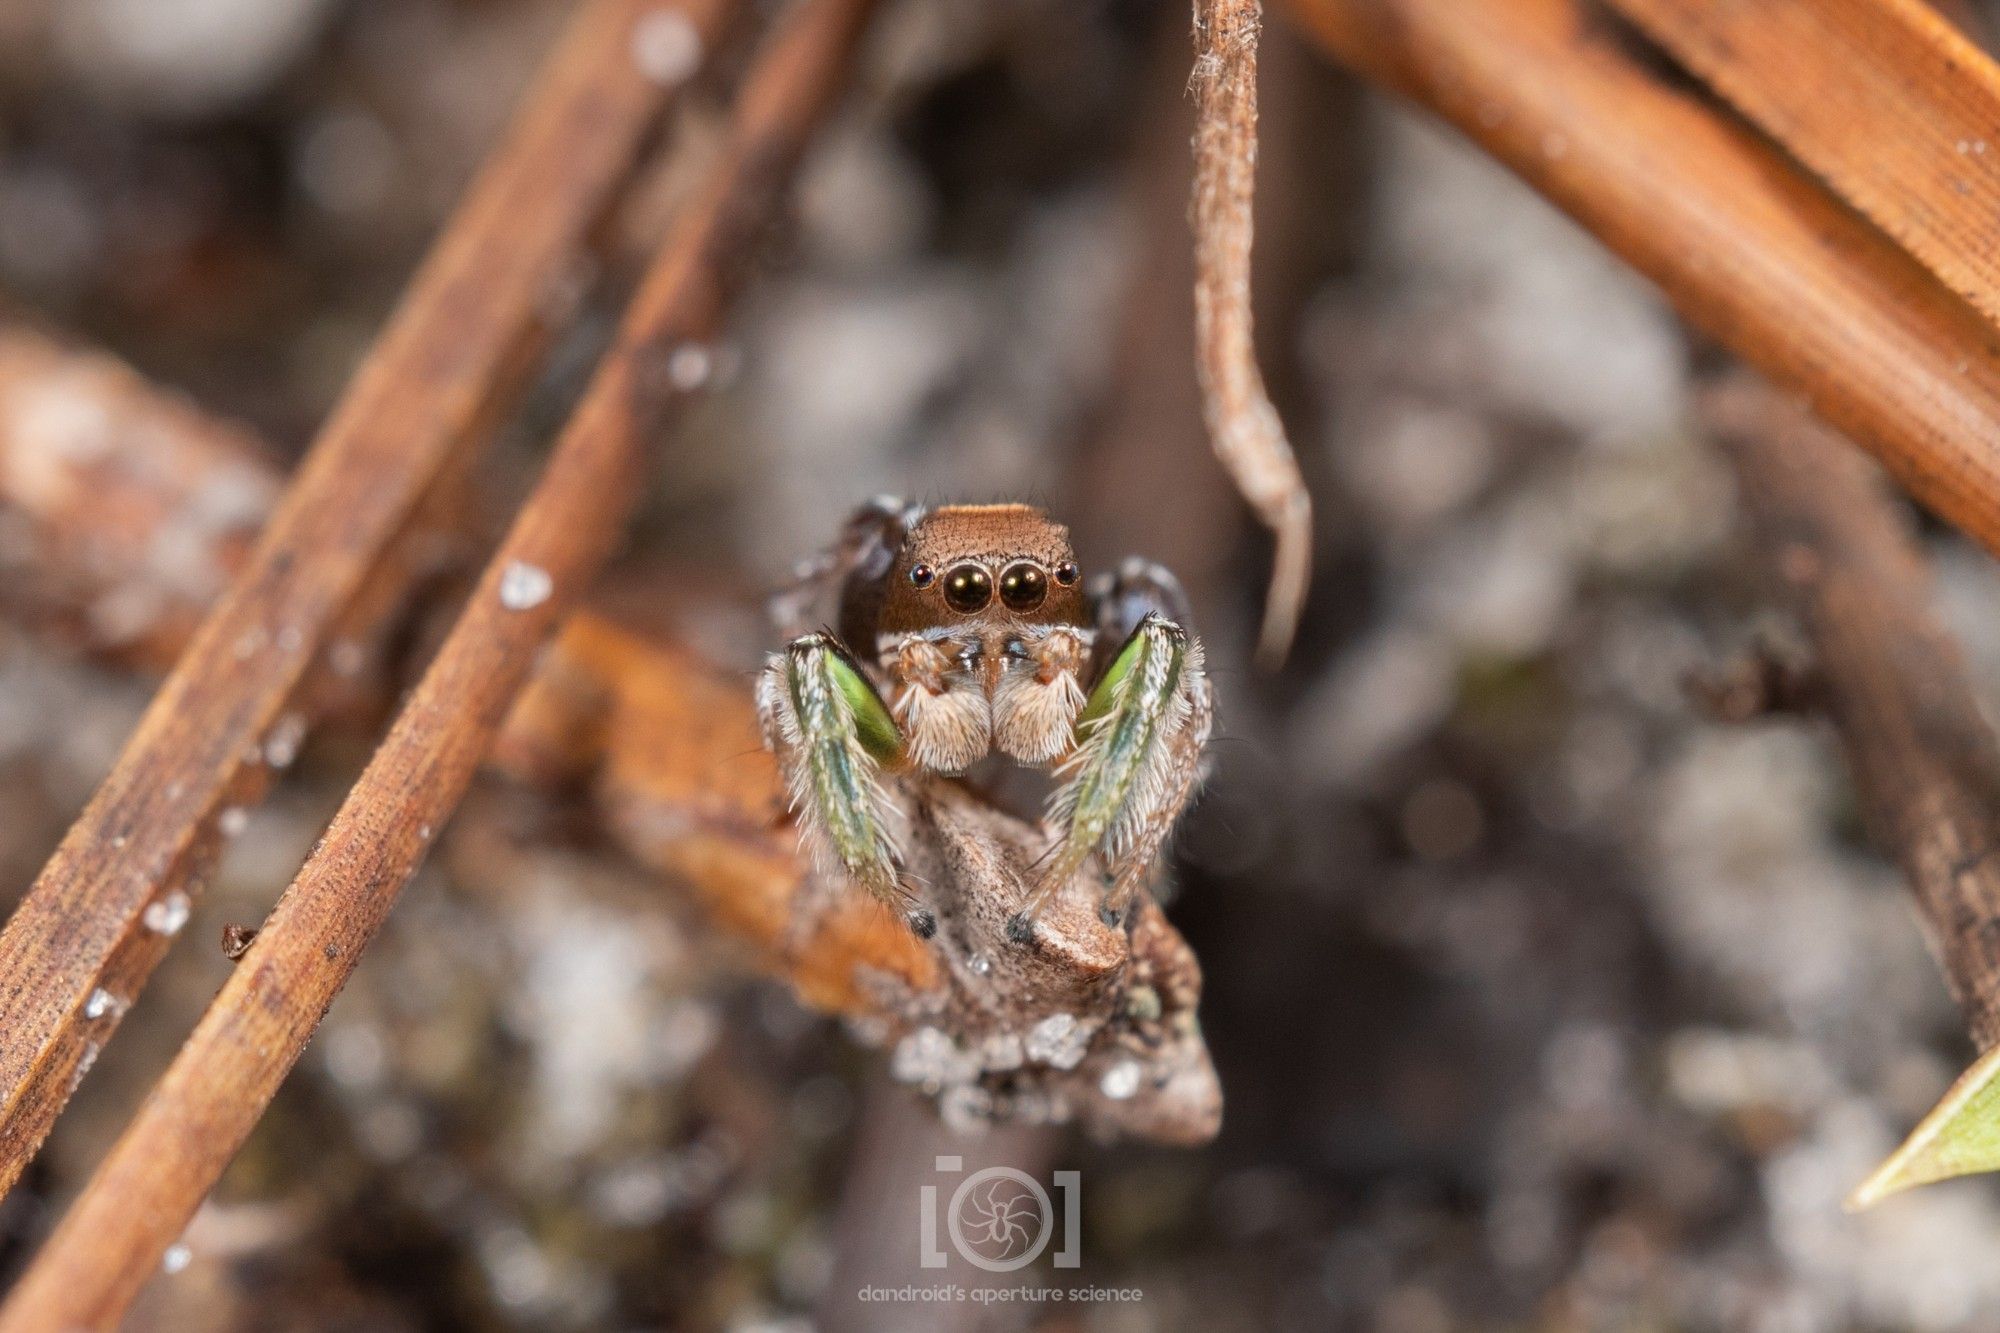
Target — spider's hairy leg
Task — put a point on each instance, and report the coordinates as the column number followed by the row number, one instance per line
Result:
column 863, row 551
column 833, row 739
column 1138, row 754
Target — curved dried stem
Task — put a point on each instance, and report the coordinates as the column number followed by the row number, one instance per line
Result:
column 1242, row 425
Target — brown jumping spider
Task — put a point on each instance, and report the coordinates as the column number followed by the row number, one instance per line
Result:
column 964, row 630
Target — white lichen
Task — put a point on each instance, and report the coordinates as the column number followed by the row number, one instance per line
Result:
column 1120, row 1081
column 1058, row 1041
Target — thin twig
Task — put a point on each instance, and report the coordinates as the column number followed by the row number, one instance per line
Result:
column 1746, row 246
column 217, row 1087
column 1842, row 555
column 1242, row 425
column 1889, row 103
column 97, row 917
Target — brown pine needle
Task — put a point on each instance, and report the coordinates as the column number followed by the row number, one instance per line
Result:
column 410, row 418
column 1243, row 427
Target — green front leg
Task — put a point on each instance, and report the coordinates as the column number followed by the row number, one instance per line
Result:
column 837, row 737
column 1123, row 787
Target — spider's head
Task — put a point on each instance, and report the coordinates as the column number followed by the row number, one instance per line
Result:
column 984, row 564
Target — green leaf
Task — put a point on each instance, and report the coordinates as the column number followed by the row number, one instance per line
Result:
column 1960, row 1137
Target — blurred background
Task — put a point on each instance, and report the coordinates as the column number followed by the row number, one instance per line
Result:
column 1538, row 1000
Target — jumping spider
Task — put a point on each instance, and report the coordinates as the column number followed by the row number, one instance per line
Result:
column 965, row 630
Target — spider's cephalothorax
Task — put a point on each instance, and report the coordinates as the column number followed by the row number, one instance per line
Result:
column 965, row 630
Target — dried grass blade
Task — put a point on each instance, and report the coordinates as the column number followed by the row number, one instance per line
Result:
column 143, row 840
column 1887, row 102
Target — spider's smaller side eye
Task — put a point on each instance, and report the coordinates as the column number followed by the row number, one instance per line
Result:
column 922, row 576
column 1067, row 573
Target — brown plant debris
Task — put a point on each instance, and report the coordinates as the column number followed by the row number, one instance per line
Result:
column 1749, row 248
column 1243, row 427
column 236, row 941
column 401, row 433
column 1885, row 100
column 1842, row 554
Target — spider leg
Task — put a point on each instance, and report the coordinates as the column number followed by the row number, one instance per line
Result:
column 822, row 587
column 1139, row 742
column 833, row 738
column 1120, row 600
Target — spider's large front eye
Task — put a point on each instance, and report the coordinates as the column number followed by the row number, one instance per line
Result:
column 1024, row 586
column 967, row 588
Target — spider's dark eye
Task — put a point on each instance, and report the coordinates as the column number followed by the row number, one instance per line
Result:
column 922, row 576
column 1067, row 573
column 967, row 588
column 1023, row 586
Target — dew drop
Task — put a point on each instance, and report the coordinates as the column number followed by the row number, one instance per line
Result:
column 281, row 747
column 690, row 366
column 523, row 586
column 233, row 821
column 176, row 1258
column 102, row 1002
column 83, row 1064
column 169, row 914
column 346, row 658
column 666, row 47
